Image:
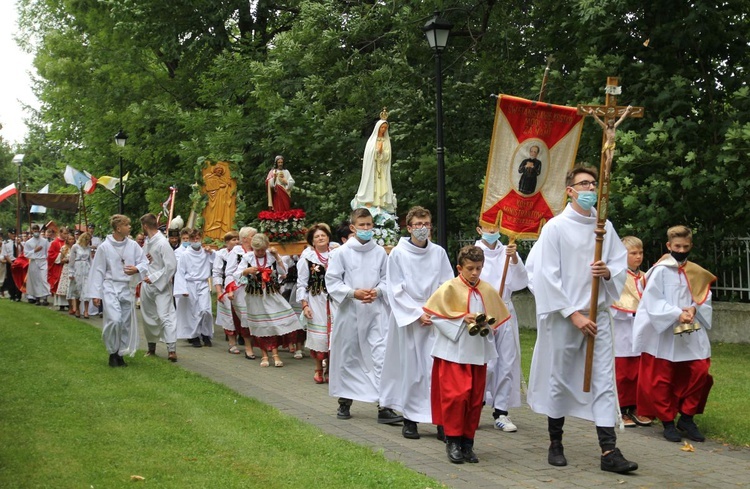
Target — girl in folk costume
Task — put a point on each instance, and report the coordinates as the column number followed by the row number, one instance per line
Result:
column 192, row 293
column 236, row 292
column 627, row 363
column 63, row 286
column 313, row 295
column 80, row 263
column 226, row 316
column 269, row 315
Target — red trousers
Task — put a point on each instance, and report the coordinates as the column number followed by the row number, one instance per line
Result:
column 626, row 374
column 457, row 395
column 666, row 388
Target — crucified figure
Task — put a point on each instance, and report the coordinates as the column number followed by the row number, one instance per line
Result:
column 609, row 136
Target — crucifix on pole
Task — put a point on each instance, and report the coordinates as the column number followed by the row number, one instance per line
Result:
column 612, row 115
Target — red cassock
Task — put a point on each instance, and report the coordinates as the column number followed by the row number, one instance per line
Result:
column 54, row 270
column 456, row 396
column 18, row 270
column 626, row 373
column 673, row 387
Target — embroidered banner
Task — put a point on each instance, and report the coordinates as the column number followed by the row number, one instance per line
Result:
column 533, row 146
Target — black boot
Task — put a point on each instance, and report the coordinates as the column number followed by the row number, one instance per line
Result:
column 615, row 462
column 113, row 360
column 556, row 454
column 687, row 425
column 670, row 432
column 440, row 433
column 467, row 449
column 453, row 449
column 195, row 342
column 206, row 340
column 343, row 411
column 121, row 361
column 410, row 430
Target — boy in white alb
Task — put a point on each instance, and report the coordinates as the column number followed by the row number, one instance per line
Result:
column 504, row 372
column 111, row 284
column 157, row 305
column 195, row 320
column 416, row 268
column 670, row 330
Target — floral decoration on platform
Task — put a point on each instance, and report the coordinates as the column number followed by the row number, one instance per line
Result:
column 386, row 231
column 283, row 226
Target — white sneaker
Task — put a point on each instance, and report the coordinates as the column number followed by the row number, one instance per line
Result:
column 298, row 354
column 504, row 423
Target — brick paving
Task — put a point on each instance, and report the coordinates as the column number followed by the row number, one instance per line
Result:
column 508, row 460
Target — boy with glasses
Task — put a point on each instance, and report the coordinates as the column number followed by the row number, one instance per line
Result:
column 560, row 276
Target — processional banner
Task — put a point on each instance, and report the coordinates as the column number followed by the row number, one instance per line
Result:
column 533, row 146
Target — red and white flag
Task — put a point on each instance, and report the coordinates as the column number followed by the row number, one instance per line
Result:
column 533, row 146
column 7, row 191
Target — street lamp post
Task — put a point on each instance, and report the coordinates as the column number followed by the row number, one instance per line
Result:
column 437, row 31
column 18, row 161
column 120, row 139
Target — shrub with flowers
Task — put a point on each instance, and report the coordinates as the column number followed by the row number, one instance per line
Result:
column 283, row 226
column 386, row 231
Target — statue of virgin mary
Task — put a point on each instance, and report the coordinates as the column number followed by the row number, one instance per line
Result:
column 375, row 188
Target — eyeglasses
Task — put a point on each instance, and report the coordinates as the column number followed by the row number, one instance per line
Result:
column 586, row 184
column 418, row 225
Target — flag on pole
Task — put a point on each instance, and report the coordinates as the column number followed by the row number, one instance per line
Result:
column 7, row 191
column 40, row 209
column 82, row 180
column 533, row 146
column 111, row 182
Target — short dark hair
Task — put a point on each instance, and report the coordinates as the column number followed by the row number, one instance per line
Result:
column 185, row 232
column 148, row 220
column 679, row 231
column 359, row 213
column 570, row 177
column 231, row 235
column 470, row 253
column 195, row 233
column 343, row 231
column 321, row 226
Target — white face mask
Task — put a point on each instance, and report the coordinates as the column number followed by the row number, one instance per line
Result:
column 421, row 234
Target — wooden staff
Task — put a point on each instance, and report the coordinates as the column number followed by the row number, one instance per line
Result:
column 172, row 192
column 610, row 112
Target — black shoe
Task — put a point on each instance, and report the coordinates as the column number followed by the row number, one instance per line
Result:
column 388, row 416
column 556, row 454
column 113, row 360
column 410, row 430
column 615, row 462
column 687, row 425
column 206, row 340
column 467, row 449
column 32, row 301
column 121, row 361
column 151, row 352
column 195, row 342
column 440, row 433
column 453, row 449
column 343, row 411
column 671, row 433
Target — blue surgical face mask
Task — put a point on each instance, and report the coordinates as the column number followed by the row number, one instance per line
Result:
column 36, row 235
column 195, row 246
column 185, row 244
column 586, row 199
column 490, row 238
column 364, row 234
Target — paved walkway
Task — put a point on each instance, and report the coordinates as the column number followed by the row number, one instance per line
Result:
column 508, row 460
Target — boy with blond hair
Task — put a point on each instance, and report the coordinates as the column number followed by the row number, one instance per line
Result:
column 670, row 331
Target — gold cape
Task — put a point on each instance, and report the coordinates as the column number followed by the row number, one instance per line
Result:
column 631, row 293
column 699, row 279
column 451, row 300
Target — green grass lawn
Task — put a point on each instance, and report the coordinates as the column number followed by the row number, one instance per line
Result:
column 68, row 420
column 727, row 416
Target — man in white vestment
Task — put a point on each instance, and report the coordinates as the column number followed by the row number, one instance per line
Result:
column 157, row 304
column 416, row 268
column 504, row 372
column 356, row 283
column 35, row 249
column 112, row 279
column 560, row 272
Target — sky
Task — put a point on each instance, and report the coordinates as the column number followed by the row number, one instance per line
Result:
column 15, row 82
